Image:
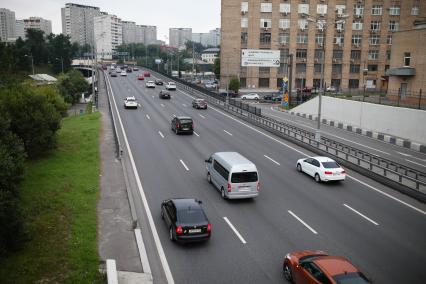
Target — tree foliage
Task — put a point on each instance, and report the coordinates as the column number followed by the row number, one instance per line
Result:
column 216, row 67
column 234, row 84
column 71, row 85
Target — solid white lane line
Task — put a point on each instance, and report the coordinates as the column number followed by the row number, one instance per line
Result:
column 154, row 231
column 230, row 134
column 415, row 163
column 162, row 105
column 201, row 115
column 362, row 215
column 303, row 222
column 269, row 158
column 147, row 116
column 142, row 251
column 183, row 164
column 235, row 230
column 161, row 134
column 196, row 134
column 407, row 155
column 306, row 155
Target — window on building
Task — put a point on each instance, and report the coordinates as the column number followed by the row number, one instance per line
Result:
column 303, row 9
column 373, row 54
column 393, row 26
column 284, row 53
column 266, row 7
column 244, row 22
column 284, row 24
column 317, row 68
column 376, row 10
column 263, row 82
column 375, row 26
column 303, row 24
column 339, row 26
column 318, row 54
column 394, row 10
column 265, row 23
column 388, row 54
column 335, row 83
column 300, row 68
column 338, row 54
column 340, row 9
column 283, row 38
column 319, row 38
column 265, row 38
column 336, row 69
column 321, row 25
column 407, row 58
column 353, row 83
column 338, row 40
column 264, row 70
column 321, row 9
column 415, row 11
column 301, row 53
column 285, row 8
column 387, row 67
column 244, row 37
column 302, row 38
column 358, row 10
column 357, row 25
column 389, row 39
column 244, row 7
column 354, row 68
column 243, row 82
column 374, row 40
column 355, row 54
column 372, row 67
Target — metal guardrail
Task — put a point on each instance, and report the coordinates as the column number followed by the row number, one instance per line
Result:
column 400, row 177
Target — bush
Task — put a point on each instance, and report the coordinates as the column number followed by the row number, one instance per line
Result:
column 89, row 108
column 71, row 85
column 52, row 94
column 234, row 84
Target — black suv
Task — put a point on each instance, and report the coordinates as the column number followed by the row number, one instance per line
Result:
column 158, row 82
column 163, row 94
column 185, row 219
column 182, row 124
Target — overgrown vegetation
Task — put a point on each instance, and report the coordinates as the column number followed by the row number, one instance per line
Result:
column 234, row 84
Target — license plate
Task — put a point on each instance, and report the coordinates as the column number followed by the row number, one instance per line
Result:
column 336, row 174
column 185, row 128
column 243, row 190
column 191, row 231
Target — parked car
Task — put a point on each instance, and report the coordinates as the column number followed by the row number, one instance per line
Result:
column 123, row 73
column 163, row 94
column 130, row 102
column 150, row 84
column 331, row 89
column 185, row 219
column 273, row 97
column 171, row 86
column 141, row 77
column 230, row 94
column 199, row 103
column 251, row 96
column 147, row 74
column 182, row 124
column 321, row 168
column 158, row 82
column 315, row 267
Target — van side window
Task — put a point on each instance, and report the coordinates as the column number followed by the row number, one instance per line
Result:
column 221, row 170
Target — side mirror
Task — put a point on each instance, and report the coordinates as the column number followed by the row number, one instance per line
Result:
column 207, row 161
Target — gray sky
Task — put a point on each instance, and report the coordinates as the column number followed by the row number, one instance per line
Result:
column 200, row 15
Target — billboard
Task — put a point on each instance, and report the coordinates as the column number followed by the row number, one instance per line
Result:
column 260, row 58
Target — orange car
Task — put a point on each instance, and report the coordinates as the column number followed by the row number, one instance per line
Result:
column 317, row 267
column 141, row 77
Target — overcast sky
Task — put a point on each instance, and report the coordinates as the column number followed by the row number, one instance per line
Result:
column 200, row 15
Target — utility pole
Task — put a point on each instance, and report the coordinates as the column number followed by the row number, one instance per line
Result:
column 193, row 59
column 318, row 132
column 290, row 78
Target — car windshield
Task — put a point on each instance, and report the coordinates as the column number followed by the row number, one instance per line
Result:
column 330, row 165
column 185, row 121
column 244, row 177
column 351, row 278
column 171, row 83
column 191, row 216
column 130, row 99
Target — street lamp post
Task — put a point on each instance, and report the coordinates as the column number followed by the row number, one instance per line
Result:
column 62, row 63
column 32, row 61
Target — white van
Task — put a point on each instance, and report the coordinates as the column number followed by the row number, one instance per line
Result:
column 233, row 175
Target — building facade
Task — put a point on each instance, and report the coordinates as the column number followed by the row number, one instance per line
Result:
column 7, row 25
column 129, row 32
column 108, row 35
column 133, row 33
column 20, row 29
column 150, row 34
column 38, row 23
column 353, row 38
column 77, row 22
column 179, row 36
column 209, row 55
column 212, row 38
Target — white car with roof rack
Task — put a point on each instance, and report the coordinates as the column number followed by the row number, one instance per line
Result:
column 171, row 86
column 130, row 102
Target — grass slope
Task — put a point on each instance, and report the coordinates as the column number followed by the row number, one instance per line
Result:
column 59, row 198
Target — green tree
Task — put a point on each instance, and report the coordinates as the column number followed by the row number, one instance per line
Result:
column 52, row 94
column 71, row 85
column 234, row 84
column 60, row 52
column 216, row 67
column 37, row 46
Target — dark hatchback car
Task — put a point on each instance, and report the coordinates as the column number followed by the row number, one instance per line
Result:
column 158, row 82
column 182, row 124
column 199, row 103
column 129, row 70
column 185, row 219
column 163, row 94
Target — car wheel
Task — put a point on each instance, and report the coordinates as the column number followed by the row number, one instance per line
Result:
column 209, row 178
column 299, row 167
column 287, row 273
column 222, row 192
column 176, row 131
column 243, row 98
column 171, row 234
column 317, row 178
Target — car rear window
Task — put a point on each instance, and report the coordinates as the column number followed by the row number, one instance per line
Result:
column 244, row 177
column 184, row 121
column 351, row 278
column 191, row 216
column 330, row 165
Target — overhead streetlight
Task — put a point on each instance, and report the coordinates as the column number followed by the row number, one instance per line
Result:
column 32, row 61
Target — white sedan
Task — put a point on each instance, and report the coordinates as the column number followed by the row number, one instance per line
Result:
column 130, row 102
column 251, row 96
column 321, row 168
column 170, row 86
column 150, row 84
column 123, row 73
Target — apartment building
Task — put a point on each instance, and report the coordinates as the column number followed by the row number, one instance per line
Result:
column 353, row 38
column 133, row 33
column 108, row 35
column 38, row 23
column 77, row 22
column 7, row 25
column 179, row 36
column 20, row 29
column 212, row 38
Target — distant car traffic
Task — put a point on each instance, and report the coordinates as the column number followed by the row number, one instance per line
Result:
column 171, row 86
column 163, row 94
column 199, row 103
column 316, row 267
column 273, row 97
column 135, row 68
column 251, row 96
column 158, row 82
column 123, row 73
column 230, row 94
column 141, row 77
column 129, row 70
column 130, row 102
column 321, row 168
column 147, row 74
column 150, row 84
column 182, row 124
column 113, row 74
column 185, row 220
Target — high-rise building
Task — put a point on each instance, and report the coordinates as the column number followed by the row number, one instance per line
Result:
column 20, row 29
column 129, row 32
column 355, row 36
column 77, row 22
column 212, row 38
column 179, row 36
column 7, row 25
column 133, row 33
column 150, row 34
column 108, row 35
column 38, row 24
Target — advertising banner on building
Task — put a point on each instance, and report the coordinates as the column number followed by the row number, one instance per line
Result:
column 260, row 58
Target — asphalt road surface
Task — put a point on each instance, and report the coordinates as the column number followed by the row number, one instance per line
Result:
column 381, row 231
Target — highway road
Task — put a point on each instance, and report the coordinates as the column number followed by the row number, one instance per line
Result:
column 379, row 230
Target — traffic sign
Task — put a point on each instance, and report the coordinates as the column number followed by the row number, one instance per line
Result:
column 285, row 79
